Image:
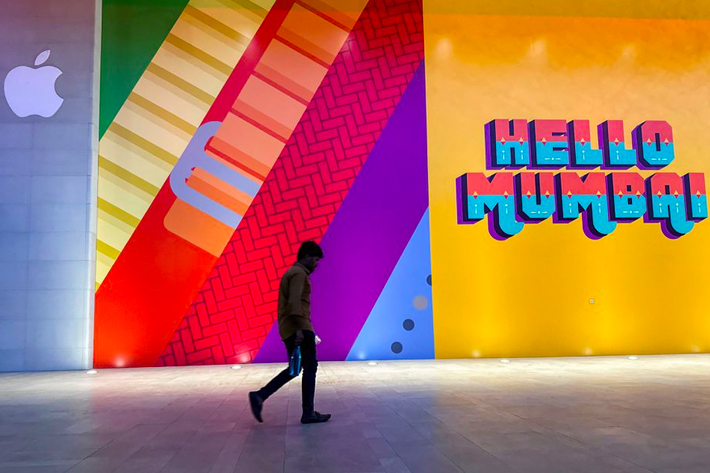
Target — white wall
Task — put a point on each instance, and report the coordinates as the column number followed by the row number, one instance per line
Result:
column 48, row 190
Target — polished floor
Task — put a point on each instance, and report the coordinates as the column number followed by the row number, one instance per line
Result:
column 590, row 415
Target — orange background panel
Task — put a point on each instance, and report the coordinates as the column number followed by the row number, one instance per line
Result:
column 550, row 290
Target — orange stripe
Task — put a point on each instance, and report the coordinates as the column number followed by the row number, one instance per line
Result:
column 257, row 124
column 244, row 136
column 310, row 56
column 346, row 12
column 219, row 191
column 291, row 69
column 265, row 73
column 312, row 33
column 261, row 120
column 228, row 153
column 321, row 14
column 197, row 228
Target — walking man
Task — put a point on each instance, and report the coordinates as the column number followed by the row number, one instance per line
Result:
column 294, row 319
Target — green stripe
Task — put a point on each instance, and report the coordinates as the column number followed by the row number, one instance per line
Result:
column 132, row 32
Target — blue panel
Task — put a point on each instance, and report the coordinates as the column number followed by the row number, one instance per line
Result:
column 401, row 325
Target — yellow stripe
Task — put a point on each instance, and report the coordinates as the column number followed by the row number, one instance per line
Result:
column 239, row 20
column 171, row 98
column 182, row 84
column 214, row 24
column 193, row 69
column 162, row 113
column 117, row 150
column 152, row 128
column 127, row 176
column 199, row 54
column 265, row 4
column 102, row 270
column 117, row 194
column 209, row 41
column 113, row 235
column 155, row 150
column 107, row 250
column 245, row 6
column 120, row 183
column 118, row 213
column 105, row 259
column 135, row 159
column 119, row 224
column 184, row 65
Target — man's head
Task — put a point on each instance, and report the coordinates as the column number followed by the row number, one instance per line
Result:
column 309, row 255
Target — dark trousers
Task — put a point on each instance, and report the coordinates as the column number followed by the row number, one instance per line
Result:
column 310, row 366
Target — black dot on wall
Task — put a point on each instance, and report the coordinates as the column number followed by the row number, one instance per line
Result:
column 397, row 347
column 408, row 325
column 428, row 280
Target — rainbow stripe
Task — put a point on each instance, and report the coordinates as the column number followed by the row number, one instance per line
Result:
column 163, row 112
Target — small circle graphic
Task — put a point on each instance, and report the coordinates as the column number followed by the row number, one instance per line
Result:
column 421, row 302
column 397, row 348
column 408, row 325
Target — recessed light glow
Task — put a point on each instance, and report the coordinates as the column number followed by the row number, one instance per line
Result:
column 505, row 360
column 444, row 48
column 91, row 372
column 633, row 357
column 236, row 367
column 372, row 363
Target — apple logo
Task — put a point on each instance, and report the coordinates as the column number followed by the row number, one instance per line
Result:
column 30, row 91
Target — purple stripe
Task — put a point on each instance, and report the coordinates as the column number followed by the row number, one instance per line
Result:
column 370, row 230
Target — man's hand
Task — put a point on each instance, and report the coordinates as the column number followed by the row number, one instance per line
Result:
column 299, row 337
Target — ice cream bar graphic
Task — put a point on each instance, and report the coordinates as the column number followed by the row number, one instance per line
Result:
column 163, row 112
column 213, row 198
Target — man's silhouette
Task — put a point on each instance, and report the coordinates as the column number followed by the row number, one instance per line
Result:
column 294, row 319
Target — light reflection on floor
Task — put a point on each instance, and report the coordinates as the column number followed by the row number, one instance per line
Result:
column 567, row 415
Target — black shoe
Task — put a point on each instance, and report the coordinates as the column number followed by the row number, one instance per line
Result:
column 256, row 404
column 315, row 418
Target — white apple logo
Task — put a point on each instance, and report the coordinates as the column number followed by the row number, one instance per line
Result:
column 30, row 91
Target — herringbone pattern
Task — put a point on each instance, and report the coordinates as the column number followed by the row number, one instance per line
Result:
column 235, row 309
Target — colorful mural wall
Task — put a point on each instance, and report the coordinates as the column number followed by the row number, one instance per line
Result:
column 233, row 131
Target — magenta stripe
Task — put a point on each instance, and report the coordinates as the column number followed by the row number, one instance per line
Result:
column 370, row 230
